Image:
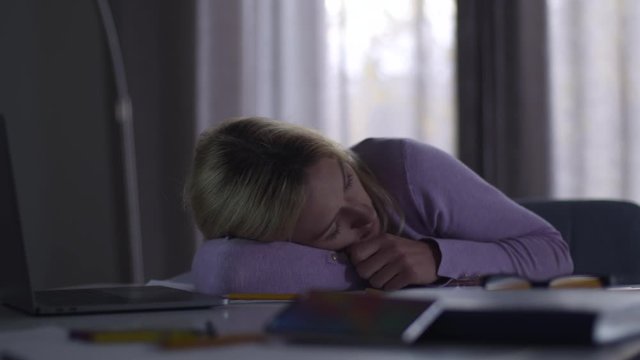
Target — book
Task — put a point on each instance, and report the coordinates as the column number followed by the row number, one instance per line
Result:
column 534, row 316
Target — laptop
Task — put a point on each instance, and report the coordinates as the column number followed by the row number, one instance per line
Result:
column 15, row 282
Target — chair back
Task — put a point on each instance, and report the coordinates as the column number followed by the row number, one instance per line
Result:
column 603, row 235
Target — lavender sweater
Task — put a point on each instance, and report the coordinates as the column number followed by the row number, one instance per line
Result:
column 478, row 229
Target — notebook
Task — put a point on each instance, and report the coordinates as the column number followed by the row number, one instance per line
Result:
column 16, row 288
column 535, row 316
column 354, row 318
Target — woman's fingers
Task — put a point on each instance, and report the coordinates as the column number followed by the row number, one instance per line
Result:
column 376, row 262
column 363, row 250
column 392, row 262
column 391, row 270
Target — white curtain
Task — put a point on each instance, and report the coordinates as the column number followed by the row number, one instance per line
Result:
column 349, row 68
column 282, row 54
column 391, row 70
column 595, row 97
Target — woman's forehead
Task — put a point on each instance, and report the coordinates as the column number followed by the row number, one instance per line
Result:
column 326, row 174
column 324, row 188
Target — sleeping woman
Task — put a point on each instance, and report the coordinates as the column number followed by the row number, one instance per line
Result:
column 285, row 209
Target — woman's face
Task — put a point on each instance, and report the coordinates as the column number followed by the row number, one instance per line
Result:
column 338, row 211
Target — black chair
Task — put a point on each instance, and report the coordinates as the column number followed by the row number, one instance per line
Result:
column 604, row 236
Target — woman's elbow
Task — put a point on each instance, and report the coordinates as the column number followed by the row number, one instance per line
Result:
column 559, row 261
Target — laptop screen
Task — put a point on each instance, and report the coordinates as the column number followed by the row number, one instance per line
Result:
column 15, row 284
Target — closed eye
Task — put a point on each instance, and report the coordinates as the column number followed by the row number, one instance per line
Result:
column 348, row 182
column 335, row 233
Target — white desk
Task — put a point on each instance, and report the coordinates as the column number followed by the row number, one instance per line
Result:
column 49, row 340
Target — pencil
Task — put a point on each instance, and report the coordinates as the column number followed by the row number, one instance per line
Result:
column 373, row 291
column 134, row 335
column 261, row 296
column 223, row 340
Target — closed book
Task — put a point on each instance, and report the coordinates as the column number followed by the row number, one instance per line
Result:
column 536, row 316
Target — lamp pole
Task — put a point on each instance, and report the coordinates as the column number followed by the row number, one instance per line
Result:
column 124, row 117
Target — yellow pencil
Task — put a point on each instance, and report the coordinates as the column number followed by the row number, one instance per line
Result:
column 261, row 296
column 134, row 335
column 223, row 340
column 373, row 291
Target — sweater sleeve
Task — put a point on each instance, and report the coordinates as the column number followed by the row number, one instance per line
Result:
column 233, row 265
column 479, row 230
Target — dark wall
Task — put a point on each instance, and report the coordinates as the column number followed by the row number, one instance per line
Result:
column 56, row 92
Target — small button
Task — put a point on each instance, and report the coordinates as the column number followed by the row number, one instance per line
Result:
column 337, row 258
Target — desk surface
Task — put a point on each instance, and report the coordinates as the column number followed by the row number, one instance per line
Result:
column 47, row 339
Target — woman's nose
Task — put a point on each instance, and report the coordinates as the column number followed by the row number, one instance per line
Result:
column 362, row 219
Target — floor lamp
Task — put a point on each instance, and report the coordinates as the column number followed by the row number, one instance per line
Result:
column 124, row 117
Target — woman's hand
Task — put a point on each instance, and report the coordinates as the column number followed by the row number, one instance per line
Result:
column 391, row 262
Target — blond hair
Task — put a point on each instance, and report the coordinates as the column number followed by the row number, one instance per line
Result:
column 248, row 178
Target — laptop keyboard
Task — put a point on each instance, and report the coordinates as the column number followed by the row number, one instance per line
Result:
column 116, row 295
column 77, row 297
column 149, row 293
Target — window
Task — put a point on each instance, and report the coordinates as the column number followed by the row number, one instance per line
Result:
column 595, row 97
column 349, row 68
column 390, row 70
